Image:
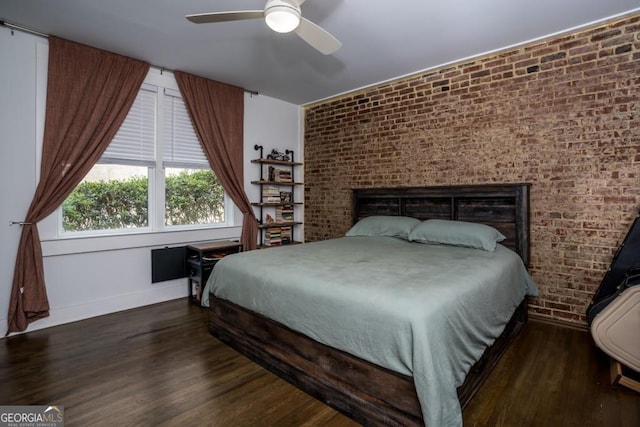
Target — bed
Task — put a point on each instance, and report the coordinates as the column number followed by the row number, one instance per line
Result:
column 381, row 350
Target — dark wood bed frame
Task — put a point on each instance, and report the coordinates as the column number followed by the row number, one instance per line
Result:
column 367, row 393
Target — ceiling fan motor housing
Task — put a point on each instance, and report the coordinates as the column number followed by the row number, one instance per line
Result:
column 282, row 16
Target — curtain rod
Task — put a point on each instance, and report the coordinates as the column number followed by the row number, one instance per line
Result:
column 23, row 29
column 46, row 36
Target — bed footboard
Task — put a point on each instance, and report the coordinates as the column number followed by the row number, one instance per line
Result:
column 365, row 392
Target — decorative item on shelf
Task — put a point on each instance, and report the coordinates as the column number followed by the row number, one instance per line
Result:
column 278, row 155
column 269, row 219
column 286, row 196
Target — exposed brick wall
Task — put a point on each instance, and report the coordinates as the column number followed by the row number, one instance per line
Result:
column 563, row 114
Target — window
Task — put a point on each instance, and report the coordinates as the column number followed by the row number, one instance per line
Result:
column 154, row 175
column 186, row 167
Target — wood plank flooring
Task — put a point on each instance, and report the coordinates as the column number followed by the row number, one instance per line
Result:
column 158, row 365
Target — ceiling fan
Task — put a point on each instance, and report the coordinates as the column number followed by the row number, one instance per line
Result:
column 282, row 16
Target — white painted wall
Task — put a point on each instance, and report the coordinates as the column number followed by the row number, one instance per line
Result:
column 90, row 277
column 17, row 149
column 278, row 129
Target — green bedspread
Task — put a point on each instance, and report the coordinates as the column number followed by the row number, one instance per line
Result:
column 428, row 311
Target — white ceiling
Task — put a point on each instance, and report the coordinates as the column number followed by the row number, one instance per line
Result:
column 381, row 39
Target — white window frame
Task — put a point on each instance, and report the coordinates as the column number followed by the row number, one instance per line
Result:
column 161, row 160
column 152, row 179
column 57, row 242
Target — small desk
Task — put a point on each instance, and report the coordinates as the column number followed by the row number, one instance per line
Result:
column 201, row 258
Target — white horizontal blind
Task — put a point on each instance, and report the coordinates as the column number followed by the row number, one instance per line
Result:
column 182, row 148
column 134, row 144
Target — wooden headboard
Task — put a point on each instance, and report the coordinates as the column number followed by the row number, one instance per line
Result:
column 502, row 206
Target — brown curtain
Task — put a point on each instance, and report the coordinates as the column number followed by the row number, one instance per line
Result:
column 89, row 94
column 217, row 113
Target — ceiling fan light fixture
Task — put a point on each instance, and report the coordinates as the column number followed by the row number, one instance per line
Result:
column 281, row 17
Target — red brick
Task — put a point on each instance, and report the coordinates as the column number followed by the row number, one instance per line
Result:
column 570, row 128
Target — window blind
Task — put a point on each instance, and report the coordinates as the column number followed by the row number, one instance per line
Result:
column 181, row 145
column 134, row 144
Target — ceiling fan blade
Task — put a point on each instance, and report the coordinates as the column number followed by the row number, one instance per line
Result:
column 317, row 37
column 205, row 18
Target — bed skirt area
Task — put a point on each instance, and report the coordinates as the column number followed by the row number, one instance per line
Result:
column 367, row 393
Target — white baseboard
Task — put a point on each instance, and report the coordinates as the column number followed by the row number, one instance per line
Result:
column 60, row 316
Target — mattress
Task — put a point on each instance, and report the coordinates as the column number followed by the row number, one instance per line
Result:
column 428, row 311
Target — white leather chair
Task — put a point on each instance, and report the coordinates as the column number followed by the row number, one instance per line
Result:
column 616, row 330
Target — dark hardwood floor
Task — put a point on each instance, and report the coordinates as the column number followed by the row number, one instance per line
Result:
column 158, row 365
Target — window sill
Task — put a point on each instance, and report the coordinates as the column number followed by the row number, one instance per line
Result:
column 79, row 245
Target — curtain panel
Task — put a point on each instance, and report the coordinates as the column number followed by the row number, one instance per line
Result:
column 217, row 113
column 89, row 94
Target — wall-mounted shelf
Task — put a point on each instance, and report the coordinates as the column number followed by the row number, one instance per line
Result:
column 277, row 162
column 277, row 205
column 282, row 183
column 280, row 224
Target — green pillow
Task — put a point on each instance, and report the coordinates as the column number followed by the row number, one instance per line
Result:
column 457, row 233
column 381, row 225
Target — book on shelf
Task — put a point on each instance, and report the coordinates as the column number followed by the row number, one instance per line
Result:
column 278, row 236
column 266, row 172
column 285, row 235
column 270, row 194
column 284, row 213
column 273, row 236
column 214, row 257
column 278, row 174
